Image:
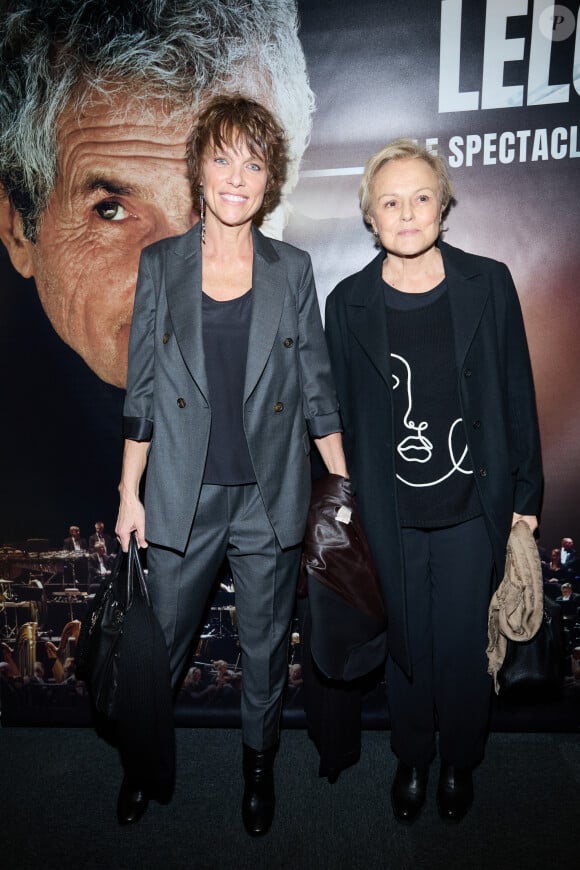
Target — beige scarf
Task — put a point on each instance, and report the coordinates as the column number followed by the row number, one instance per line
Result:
column 517, row 606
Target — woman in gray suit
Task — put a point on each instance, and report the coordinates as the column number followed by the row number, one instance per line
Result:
column 441, row 437
column 228, row 380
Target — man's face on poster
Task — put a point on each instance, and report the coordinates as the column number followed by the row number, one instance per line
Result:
column 121, row 185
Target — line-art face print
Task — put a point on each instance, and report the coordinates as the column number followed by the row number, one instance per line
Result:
column 416, row 447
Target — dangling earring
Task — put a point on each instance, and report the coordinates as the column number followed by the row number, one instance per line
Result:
column 202, row 216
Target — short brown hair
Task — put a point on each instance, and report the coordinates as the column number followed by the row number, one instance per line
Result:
column 225, row 121
column 399, row 149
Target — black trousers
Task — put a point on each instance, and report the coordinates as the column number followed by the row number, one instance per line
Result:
column 448, row 580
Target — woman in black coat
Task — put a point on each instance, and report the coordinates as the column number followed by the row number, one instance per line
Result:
column 440, row 430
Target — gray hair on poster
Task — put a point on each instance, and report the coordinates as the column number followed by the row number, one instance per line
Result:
column 58, row 55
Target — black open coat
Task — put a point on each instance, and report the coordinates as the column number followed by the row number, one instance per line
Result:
column 496, row 393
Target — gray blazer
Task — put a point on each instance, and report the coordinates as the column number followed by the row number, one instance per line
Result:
column 288, row 397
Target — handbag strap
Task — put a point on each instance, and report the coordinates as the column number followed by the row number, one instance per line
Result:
column 135, row 576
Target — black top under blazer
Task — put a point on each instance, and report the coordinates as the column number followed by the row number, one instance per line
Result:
column 288, row 395
column 496, row 394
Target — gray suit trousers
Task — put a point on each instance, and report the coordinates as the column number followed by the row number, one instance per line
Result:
column 231, row 522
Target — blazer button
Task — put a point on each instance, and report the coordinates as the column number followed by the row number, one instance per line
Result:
column 166, row 338
column 477, row 424
column 467, row 373
column 279, row 406
column 288, row 342
column 482, row 471
column 181, row 403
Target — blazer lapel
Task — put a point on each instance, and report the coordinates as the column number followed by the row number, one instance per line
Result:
column 468, row 296
column 184, row 302
column 367, row 318
column 269, row 284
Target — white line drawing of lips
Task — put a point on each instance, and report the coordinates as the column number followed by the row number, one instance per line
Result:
column 417, row 447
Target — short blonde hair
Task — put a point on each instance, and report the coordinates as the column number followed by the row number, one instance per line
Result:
column 399, row 149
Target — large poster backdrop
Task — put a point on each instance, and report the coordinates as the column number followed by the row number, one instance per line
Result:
column 495, row 86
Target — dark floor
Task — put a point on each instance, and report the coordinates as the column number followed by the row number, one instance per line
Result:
column 59, row 789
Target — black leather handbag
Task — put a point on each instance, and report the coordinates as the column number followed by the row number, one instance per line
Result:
column 533, row 670
column 99, row 647
column 124, row 659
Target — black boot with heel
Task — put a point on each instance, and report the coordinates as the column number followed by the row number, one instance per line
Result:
column 259, row 799
column 132, row 803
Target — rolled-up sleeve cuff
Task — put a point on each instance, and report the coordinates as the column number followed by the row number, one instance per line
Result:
column 324, row 424
column 137, row 428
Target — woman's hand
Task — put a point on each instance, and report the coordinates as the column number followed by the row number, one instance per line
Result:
column 531, row 521
column 131, row 518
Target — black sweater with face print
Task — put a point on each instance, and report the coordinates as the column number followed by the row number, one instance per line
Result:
column 435, row 482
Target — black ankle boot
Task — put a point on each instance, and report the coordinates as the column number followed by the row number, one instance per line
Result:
column 131, row 804
column 454, row 792
column 259, row 800
column 408, row 792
